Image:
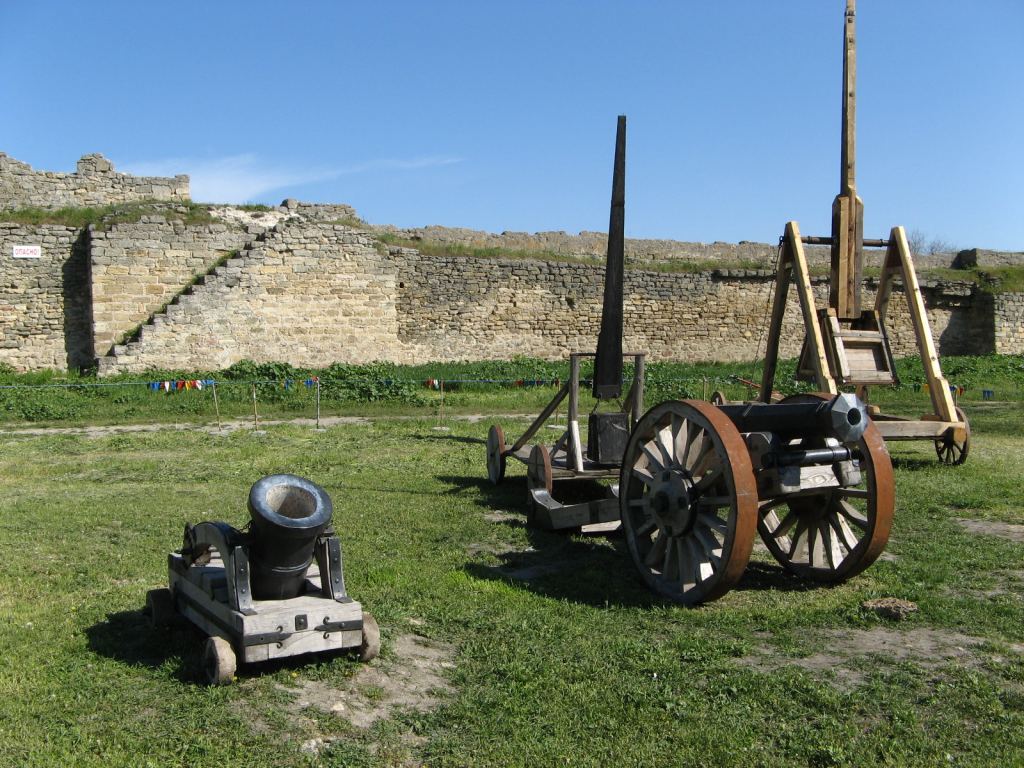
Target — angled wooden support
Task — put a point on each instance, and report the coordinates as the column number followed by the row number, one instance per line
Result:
column 898, row 261
column 793, row 266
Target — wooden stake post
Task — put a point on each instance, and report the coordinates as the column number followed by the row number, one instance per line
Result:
column 567, row 459
column 846, row 345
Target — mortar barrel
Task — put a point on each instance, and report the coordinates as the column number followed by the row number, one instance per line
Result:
column 288, row 514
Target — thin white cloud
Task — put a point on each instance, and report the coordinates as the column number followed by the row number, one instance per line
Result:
column 242, row 178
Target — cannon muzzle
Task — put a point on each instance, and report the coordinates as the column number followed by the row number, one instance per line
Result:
column 288, row 515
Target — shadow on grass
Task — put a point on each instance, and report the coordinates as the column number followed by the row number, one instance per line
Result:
column 913, row 463
column 129, row 637
column 594, row 569
column 760, row 576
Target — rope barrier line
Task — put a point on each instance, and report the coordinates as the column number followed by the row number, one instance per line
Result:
column 699, row 382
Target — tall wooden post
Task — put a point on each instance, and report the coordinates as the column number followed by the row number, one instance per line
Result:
column 608, row 362
column 848, row 209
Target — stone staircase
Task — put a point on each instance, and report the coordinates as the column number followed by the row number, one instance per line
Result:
column 220, row 279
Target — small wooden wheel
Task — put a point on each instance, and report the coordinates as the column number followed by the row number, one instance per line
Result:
column 833, row 533
column 538, row 469
column 160, row 607
column 495, row 454
column 954, row 452
column 370, row 646
column 688, row 501
column 718, row 398
column 218, row 661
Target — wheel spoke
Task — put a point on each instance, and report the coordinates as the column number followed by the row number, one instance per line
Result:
column 712, row 547
column 657, row 551
column 785, row 525
column 796, row 538
column 853, row 514
column 852, row 493
column 680, row 438
column 670, row 551
column 652, row 457
column 646, row 526
column 707, row 481
column 771, row 504
column 665, row 444
column 714, row 522
column 690, row 570
column 841, row 528
column 699, row 446
column 831, row 545
column 643, row 476
column 704, row 460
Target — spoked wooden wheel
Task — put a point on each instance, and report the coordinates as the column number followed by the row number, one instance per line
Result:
column 954, row 452
column 495, row 454
column 831, row 533
column 688, row 501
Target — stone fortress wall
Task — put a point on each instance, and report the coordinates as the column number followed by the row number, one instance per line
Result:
column 94, row 183
column 310, row 285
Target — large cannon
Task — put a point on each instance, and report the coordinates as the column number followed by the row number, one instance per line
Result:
column 811, row 474
column 274, row 590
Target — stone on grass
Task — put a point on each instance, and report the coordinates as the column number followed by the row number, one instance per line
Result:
column 894, row 608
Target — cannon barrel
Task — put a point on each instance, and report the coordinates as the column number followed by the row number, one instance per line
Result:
column 844, row 418
column 288, row 514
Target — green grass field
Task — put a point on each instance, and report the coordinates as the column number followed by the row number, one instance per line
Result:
column 530, row 648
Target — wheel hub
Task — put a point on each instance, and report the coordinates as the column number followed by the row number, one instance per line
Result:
column 669, row 502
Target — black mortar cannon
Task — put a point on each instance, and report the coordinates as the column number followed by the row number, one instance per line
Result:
column 274, row 590
column 811, row 474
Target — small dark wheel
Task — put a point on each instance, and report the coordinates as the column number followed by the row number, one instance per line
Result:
column 718, row 398
column 495, row 454
column 160, row 607
column 954, row 452
column 539, row 480
column 538, row 469
column 219, row 661
column 370, row 646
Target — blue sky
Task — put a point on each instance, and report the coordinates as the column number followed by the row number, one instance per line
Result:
column 501, row 116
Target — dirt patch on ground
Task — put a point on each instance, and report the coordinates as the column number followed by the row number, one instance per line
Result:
column 412, row 679
column 993, row 528
column 846, row 652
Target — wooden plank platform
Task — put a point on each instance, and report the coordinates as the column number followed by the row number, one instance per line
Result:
column 560, row 469
column 894, row 428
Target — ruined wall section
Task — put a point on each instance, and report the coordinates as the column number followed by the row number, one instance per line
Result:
column 307, row 294
column 595, row 245
column 1008, row 311
column 94, row 183
column 45, row 318
column 138, row 268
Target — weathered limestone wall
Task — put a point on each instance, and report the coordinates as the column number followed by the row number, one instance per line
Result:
column 95, row 182
column 312, row 293
column 307, row 294
column 453, row 308
column 1009, row 323
column 138, row 268
column 45, row 319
